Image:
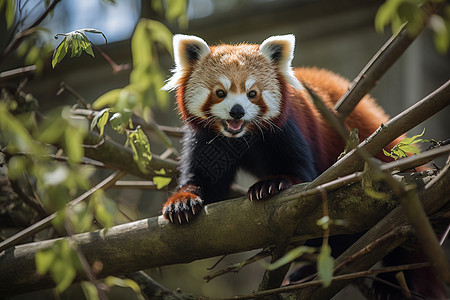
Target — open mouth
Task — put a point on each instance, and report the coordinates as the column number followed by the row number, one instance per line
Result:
column 234, row 126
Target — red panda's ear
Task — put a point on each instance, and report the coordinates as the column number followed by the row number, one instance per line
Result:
column 280, row 51
column 188, row 49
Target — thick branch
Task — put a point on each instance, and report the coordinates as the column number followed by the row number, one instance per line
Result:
column 432, row 200
column 120, row 157
column 376, row 67
column 408, row 119
column 156, row 242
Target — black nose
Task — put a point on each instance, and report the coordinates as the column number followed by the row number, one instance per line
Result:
column 237, row 112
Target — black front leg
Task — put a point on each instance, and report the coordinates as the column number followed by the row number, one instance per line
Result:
column 281, row 159
column 208, row 167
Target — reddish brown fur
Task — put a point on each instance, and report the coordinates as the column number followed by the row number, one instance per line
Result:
column 367, row 115
column 244, row 61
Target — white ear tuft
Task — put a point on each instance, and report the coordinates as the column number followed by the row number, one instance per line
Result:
column 187, row 50
column 279, row 50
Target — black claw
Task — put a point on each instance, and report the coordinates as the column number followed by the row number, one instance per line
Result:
column 268, row 188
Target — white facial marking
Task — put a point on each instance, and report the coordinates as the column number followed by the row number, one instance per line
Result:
column 272, row 101
column 249, row 83
column 195, row 98
column 225, row 82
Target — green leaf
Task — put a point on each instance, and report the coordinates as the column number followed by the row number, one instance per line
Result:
column 59, row 221
column 108, row 99
column 80, row 217
column 18, row 136
column 410, row 149
column 141, row 148
column 175, row 9
column 100, row 120
column 389, row 154
column 61, row 261
column 324, row 222
column 325, row 264
column 104, row 208
column 63, row 274
column 74, row 135
column 116, row 281
column 289, row 257
column 60, row 52
column 158, row 6
column 161, row 182
column 89, row 51
column 16, row 166
column 44, row 260
column 410, row 140
column 89, row 290
column 52, row 129
column 384, row 14
column 10, row 11
column 161, row 171
column 120, row 121
column 441, row 29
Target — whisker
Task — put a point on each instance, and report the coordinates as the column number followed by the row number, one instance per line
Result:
column 212, row 140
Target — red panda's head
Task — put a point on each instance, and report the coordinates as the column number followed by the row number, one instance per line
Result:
column 231, row 88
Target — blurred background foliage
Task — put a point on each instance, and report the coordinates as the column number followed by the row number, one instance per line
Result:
column 120, row 56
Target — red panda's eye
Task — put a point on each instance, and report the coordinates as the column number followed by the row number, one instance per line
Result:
column 221, row 93
column 251, row 94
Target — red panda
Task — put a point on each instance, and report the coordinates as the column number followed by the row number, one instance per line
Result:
column 244, row 106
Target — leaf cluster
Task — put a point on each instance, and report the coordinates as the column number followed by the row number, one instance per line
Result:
column 406, row 146
column 412, row 15
column 46, row 155
column 140, row 95
column 61, row 261
column 75, row 41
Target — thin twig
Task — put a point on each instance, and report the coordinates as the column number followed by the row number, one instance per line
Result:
column 238, row 266
column 403, row 231
column 136, row 184
column 354, row 275
column 115, row 67
column 65, row 87
column 444, row 236
column 11, row 74
column 30, row 202
column 20, row 36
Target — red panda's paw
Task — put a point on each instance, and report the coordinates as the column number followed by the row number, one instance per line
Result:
column 267, row 188
column 182, row 207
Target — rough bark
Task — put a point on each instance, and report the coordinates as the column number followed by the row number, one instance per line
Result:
column 222, row 228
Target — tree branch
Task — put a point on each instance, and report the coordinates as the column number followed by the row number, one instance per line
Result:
column 121, row 158
column 377, row 66
column 46, row 222
column 395, row 218
column 156, row 242
column 411, row 117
